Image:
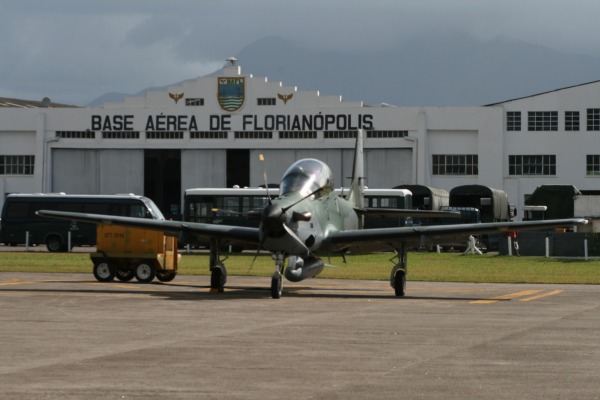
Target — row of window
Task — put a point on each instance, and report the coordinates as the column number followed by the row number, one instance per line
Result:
column 535, row 164
column 548, row 120
column 224, row 134
column 443, row 164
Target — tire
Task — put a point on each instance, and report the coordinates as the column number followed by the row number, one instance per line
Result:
column 124, row 275
column 145, row 272
column 165, row 276
column 400, row 283
column 218, row 278
column 54, row 244
column 104, row 271
column 276, row 286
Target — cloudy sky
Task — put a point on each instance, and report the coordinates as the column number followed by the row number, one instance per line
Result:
column 73, row 51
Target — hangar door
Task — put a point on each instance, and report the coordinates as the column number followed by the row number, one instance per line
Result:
column 386, row 168
column 105, row 171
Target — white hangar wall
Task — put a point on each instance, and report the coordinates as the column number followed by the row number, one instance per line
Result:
column 553, row 124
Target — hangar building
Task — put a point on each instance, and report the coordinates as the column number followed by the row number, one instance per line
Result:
column 208, row 132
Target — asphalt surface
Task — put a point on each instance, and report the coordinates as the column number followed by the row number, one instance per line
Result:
column 66, row 336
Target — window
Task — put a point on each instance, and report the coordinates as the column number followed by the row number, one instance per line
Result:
column 208, row 135
column 194, row 102
column 340, row 134
column 537, row 164
column 455, row 164
column 297, row 135
column 542, row 121
column 593, row 119
column 17, row 165
column 120, row 135
column 164, row 135
column 592, row 167
column 571, row 120
column 266, row 101
column 513, row 121
column 76, row 134
column 253, row 135
column 386, row 134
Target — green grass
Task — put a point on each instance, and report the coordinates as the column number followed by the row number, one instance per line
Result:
column 444, row 267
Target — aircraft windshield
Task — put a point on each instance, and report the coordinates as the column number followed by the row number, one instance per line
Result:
column 306, row 176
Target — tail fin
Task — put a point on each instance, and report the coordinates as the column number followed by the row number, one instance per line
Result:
column 356, row 192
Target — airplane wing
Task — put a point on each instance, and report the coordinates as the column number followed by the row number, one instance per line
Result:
column 403, row 213
column 382, row 237
column 207, row 231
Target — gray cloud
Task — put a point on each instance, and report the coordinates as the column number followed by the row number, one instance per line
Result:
column 74, row 51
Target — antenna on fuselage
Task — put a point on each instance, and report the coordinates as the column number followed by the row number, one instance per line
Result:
column 262, row 163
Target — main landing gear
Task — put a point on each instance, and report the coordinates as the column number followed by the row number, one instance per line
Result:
column 218, row 272
column 398, row 275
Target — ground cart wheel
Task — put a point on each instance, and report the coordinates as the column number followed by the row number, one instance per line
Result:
column 124, row 275
column 165, row 276
column 145, row 272
column 104, row 272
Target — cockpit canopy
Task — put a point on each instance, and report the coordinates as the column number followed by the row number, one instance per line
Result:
column 306, row 176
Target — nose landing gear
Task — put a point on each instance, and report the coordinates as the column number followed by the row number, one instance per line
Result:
column 277, row 280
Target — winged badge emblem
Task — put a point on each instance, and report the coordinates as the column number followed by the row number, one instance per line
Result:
column 176, row 96
column 285, row 97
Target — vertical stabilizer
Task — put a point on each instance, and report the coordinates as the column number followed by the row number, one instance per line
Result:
column 356, row 193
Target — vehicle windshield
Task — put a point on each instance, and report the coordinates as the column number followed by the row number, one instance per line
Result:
column 154, row 210
column 306, row 176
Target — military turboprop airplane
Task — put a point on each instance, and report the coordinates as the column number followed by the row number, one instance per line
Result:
column 309, row 220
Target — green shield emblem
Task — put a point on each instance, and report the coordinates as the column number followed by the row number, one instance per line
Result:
column 231, row 93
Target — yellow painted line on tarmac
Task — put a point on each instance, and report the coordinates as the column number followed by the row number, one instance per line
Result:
column 509, row 296
column 113, row 285
column 540, row 296
column 16, row 283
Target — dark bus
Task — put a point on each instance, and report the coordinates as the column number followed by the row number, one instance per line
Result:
column 225, row 206
column 19, row 218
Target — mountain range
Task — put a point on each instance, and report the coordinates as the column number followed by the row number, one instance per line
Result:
column 432, row 70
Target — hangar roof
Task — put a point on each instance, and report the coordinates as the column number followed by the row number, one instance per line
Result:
column 19, row 103
column 539, row 94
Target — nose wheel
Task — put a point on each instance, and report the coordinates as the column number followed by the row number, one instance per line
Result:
column 276, row 286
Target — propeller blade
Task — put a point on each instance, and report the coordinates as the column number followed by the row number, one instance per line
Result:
column 301, row 248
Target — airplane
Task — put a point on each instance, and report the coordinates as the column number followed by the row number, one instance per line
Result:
column 309, row 220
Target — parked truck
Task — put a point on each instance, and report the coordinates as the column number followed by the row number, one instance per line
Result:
column 492, row 204
column 564, row 201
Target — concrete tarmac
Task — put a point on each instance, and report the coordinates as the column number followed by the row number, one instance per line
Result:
column 66, row 336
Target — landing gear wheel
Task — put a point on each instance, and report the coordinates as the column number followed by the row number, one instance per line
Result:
column 104, row 272
column 218, row 278
column 276, row 286
column 125, row 275
column 145, row 272
column 165, row 276
column 400, row 283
